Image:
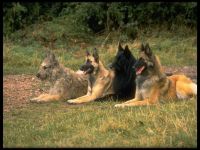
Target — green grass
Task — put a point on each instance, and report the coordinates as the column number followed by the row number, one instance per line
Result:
column 24, row 50
column 99, row 124
column 19, row 59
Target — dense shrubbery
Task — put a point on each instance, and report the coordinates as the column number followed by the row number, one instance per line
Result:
column 100, row 15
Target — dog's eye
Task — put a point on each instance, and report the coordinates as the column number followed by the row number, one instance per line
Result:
column 89, row 61
column 45, row 67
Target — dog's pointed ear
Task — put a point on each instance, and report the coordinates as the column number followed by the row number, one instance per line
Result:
column 127, row 51
column 87, row 53
column 142, row 48
column 127, row 48
column 47, row 53
column 120, row 47
column 50, row 55
column 148, row 50
column 96, row 55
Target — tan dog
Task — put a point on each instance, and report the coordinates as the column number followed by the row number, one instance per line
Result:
column 100, row 80
column 152, row 85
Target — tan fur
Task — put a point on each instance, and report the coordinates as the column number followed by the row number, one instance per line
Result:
column 100, row 86
column 159, row 87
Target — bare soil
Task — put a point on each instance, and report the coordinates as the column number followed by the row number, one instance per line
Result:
column 19, row 89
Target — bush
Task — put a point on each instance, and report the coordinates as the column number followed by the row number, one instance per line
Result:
column 99, row 16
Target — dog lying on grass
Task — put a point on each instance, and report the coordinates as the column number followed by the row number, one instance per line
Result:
column 66, row 83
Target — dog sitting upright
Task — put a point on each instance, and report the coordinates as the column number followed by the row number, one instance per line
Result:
column 66, row 83
column 124, row 81
column 100, row 80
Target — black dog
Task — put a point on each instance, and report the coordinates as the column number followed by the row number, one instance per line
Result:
column 124, row 81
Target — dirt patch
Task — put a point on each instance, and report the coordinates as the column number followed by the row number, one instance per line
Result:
column 18, row 89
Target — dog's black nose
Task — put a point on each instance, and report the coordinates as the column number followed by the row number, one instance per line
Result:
column 38, row 75
column 110, row 65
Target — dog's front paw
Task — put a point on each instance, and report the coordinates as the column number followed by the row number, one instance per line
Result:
column 71, row 101
column 119, row 105
column 35, row 100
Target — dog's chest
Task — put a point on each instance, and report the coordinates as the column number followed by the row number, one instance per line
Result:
column 144, row 85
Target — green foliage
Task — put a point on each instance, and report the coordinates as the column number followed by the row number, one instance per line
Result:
column 99, row 16
column 91, row 15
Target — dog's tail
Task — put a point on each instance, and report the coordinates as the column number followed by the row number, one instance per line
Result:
column 194, row 88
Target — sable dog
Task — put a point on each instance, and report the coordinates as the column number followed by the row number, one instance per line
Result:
column 100, row 80
column 152, row 85
column 66, row 83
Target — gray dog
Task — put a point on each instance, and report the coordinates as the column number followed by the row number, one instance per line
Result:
column 66, row 83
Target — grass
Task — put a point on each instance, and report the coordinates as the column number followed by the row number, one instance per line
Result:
column 19, row 59
column 99, row 124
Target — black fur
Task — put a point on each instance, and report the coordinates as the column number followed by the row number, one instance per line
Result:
column 124, row 82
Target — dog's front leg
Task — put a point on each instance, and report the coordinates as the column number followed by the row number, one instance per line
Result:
column 37, row 98
column 136, row 102
column 126, row 103
column 83, row 99
column 46, row 98
column 96, row 93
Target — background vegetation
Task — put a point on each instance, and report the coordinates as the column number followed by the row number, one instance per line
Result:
column 68, row 29
column 100, row 15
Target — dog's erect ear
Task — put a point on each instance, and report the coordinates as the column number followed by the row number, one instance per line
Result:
column 47, row 53
column 96, row 55
column 127, row 51
column 87, row 53
column 148, row 50
column 126, row 48
column 142, row 48
column 51, row 56
column 120, row 47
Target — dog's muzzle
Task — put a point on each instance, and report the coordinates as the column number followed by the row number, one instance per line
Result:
column 38, row 75
column 139, row 66
column 87, row 68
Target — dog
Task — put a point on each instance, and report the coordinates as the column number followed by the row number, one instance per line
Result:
column 124, row 81
column 66, row 83
column 100, row 80
column 152, row 85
